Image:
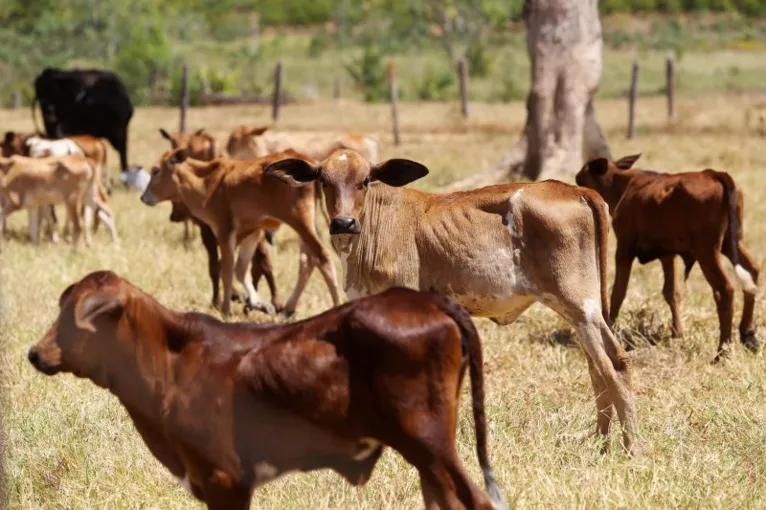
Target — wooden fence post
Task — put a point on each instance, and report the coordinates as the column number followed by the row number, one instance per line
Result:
column 184, row 98
column 277, row 91
column 394, row 91
column 336, row 88
column 461, row 73
column 632, row 102
column 670, row 86
column 17, row 99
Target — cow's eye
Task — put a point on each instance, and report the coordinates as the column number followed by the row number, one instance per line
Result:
column 365, row 183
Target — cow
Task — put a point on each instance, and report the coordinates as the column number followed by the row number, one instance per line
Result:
column 27, row 183
column 84, row 101
column 202, row 146
column 694, row 215
column 249, row 142
column 228, row 407
column 495, row 250
column 238, row 203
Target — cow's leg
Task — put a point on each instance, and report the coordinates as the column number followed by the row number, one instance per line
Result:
column 671, row 293
column 87, row 214
column 213, row 264
column 49, row 214
column 723, row 292
column 261, row 266
column 228, row 246
column 320, row 255
column 73, row 213
column 245, row 257
column 746, row 324
column 603, row 404
column 623, row 263
column 34, row 219
column 305, row 267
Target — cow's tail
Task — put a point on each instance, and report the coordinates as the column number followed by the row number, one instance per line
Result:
column 472, row 348
column 601, row 220
column 730, row 202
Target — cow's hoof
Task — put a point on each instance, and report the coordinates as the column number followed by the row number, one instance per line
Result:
column 288, row 313
column 262, row 306
column 750, row 341
column 722, row 355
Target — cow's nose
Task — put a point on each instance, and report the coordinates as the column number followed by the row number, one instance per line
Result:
column 34, row 358
column 343, row 226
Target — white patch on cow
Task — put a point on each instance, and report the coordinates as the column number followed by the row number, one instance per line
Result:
column 342, row 157
column 365, row 447
column 265, row 472
column 186, row 483
column 592, row 309
column 503, row 252
column 745, row 279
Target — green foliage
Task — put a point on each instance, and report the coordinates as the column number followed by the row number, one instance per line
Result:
column 369, row 74
column 478, row 60
column 437, row 85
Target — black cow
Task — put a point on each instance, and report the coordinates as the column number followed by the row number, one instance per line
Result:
column 84, row 102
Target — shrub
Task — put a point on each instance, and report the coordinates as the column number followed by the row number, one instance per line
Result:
column 369, row 74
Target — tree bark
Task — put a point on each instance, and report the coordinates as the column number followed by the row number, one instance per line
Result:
column 564, row 44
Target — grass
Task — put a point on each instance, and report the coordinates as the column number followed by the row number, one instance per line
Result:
column 70, row 445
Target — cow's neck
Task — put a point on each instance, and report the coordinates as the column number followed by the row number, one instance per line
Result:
column 383, row 254
column 191, row 180
column 620, row 182
column 142, row 375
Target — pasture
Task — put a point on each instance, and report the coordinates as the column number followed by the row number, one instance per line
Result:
column 68, row 444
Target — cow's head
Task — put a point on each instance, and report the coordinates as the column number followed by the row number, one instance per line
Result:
column 247, row 142
column 14, row 144
column 162, row 183
column 178, row 140
column 602, row 175
column 345, row 176
column 84, row 338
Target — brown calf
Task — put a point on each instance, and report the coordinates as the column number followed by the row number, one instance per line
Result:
column 697, row 215
column 238, row 203
column 202, row 146
column 496, row 250
column 227, row 407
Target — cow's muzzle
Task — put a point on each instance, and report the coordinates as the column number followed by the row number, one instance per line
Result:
column 344, row 226
column 148, row 198
column 37, row 361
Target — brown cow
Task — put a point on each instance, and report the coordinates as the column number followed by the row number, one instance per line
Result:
column 697, row 215
column 202, row 146
column 227, row 407
column 249, row 142
column 495, row 250
column 239, row 204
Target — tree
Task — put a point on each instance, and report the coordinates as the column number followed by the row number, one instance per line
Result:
column 564, row 44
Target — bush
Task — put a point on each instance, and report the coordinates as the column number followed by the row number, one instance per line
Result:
column 369, row 74
column 478, row 60
column 141, row 61
column 437, row 85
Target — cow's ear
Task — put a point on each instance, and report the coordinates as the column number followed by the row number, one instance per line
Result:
column 179, row 156
column 293, row 171
column 94, row 305
column 598, row 166
column 165, row 135
column 8, row 136
column 398, row 172
column 258, row 131
column 626, row 162
column 199, row 131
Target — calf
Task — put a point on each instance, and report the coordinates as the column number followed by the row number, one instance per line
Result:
column 69, row 180
column 327, row 392
column 238, row 203
column 246, row 142
column 697, row 215
column 202, row 146
column 495, row 250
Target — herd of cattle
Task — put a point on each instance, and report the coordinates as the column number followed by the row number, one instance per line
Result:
column 228, row 406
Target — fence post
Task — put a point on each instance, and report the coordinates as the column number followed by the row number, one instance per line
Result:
column 336, row 88
column 17, row 99
column 632, row 102
column 461, row 73
column 670, row 86
column 394, row 91
column 277, row 91
column 184, row 98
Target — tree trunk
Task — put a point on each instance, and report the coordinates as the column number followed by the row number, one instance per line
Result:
column 564, row 45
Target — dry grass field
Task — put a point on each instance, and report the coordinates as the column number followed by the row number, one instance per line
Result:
column 70, row 445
